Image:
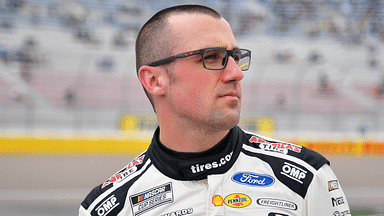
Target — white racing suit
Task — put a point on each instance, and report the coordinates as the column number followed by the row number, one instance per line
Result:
column 244, row 174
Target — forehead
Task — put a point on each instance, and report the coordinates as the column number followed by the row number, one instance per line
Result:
column 198, row 31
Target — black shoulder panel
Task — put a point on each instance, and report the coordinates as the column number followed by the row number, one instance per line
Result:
column 313, row 158
column 114, row 201
column 95, row 192
column 294, row 173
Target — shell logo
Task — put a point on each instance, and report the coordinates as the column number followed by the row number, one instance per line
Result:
column 237, row 200
column 217, row 200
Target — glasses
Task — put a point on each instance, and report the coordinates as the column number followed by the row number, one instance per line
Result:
column 214, row 58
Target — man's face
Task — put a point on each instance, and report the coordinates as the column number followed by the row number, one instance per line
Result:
column 198, row 96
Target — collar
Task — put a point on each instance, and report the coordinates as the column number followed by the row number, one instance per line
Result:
column 196, row 166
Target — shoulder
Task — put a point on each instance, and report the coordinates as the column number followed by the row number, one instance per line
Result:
column 284, row 150
column 294, row 165
column 111, row 194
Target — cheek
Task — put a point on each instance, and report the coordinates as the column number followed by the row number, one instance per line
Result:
column 192, row 95
column 201, row 89
column 193, row 88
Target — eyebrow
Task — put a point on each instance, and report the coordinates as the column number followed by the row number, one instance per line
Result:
column 222, row 47
column 235, row 48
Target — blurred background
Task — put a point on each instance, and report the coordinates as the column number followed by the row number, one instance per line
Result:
column 72, row 111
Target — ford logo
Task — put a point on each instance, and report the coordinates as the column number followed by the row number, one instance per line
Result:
column 253, row 179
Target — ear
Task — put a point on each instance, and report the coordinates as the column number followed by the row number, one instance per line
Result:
column 153, row 79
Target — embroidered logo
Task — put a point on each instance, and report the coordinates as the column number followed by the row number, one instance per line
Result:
column 152, row 198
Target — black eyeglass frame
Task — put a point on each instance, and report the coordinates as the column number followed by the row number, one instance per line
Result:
column 201, row 52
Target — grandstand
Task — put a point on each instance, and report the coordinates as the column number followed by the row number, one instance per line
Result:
column 86, row 47
column 68, row 67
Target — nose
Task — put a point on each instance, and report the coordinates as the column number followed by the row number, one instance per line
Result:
column 232, row 71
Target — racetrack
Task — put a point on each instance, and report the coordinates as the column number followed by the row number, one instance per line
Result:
column 56, row 185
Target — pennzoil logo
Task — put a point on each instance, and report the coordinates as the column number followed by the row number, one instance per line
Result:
column 131, row 168
column 276, row 147
column 217, row 200
column 237, row 200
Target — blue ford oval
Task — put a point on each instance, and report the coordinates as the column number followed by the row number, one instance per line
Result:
column 253, row 179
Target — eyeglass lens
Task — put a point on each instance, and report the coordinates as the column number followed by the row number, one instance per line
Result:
column 217, row 58
column 243, row 59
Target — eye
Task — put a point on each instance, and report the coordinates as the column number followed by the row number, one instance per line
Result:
column 236, row 57
column 212, row 56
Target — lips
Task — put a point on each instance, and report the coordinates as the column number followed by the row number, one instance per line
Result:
column 231, row 94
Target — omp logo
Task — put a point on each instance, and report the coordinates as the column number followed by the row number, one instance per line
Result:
column 213, row 165
column 293, row 172
column 152, row 198
column 237, row 200
column 277, row 203
column 107, row 206
column 131, row 168
column 333, row 185
column 253, row 179
column 277, row 147
column 337, row 201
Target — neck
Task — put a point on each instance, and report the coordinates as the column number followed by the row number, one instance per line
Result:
column 184, row 139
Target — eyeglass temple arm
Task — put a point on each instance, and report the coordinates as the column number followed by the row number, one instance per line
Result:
column 172, row 58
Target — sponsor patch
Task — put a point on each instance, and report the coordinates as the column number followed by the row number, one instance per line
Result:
column 237, row 200
column 152, row 198
column 253, row 179
column 217, row 200
column 333, row 185
column 293, row 172
column 179, row 212
column 212, row 165
column 343, row 213
column 277, row 203
column 337, row 201
column 276, row 147
column 107, row 206
column 131, row 168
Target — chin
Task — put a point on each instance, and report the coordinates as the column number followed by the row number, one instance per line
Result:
column 229, row 122
column 223, row 119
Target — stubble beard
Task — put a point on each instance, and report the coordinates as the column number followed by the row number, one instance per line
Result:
column 221, row 120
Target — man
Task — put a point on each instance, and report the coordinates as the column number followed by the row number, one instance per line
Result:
column 199, row 162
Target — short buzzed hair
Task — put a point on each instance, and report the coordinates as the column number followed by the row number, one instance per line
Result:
column 155, row 40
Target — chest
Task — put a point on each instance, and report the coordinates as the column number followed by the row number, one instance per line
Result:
column 247, row 189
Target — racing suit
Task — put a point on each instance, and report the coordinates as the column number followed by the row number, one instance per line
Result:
column 243, row 174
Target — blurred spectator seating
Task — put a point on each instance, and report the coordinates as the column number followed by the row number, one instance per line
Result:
column 94, row 90
column 274, row 95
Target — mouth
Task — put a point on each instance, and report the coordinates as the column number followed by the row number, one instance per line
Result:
column 231, row 95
